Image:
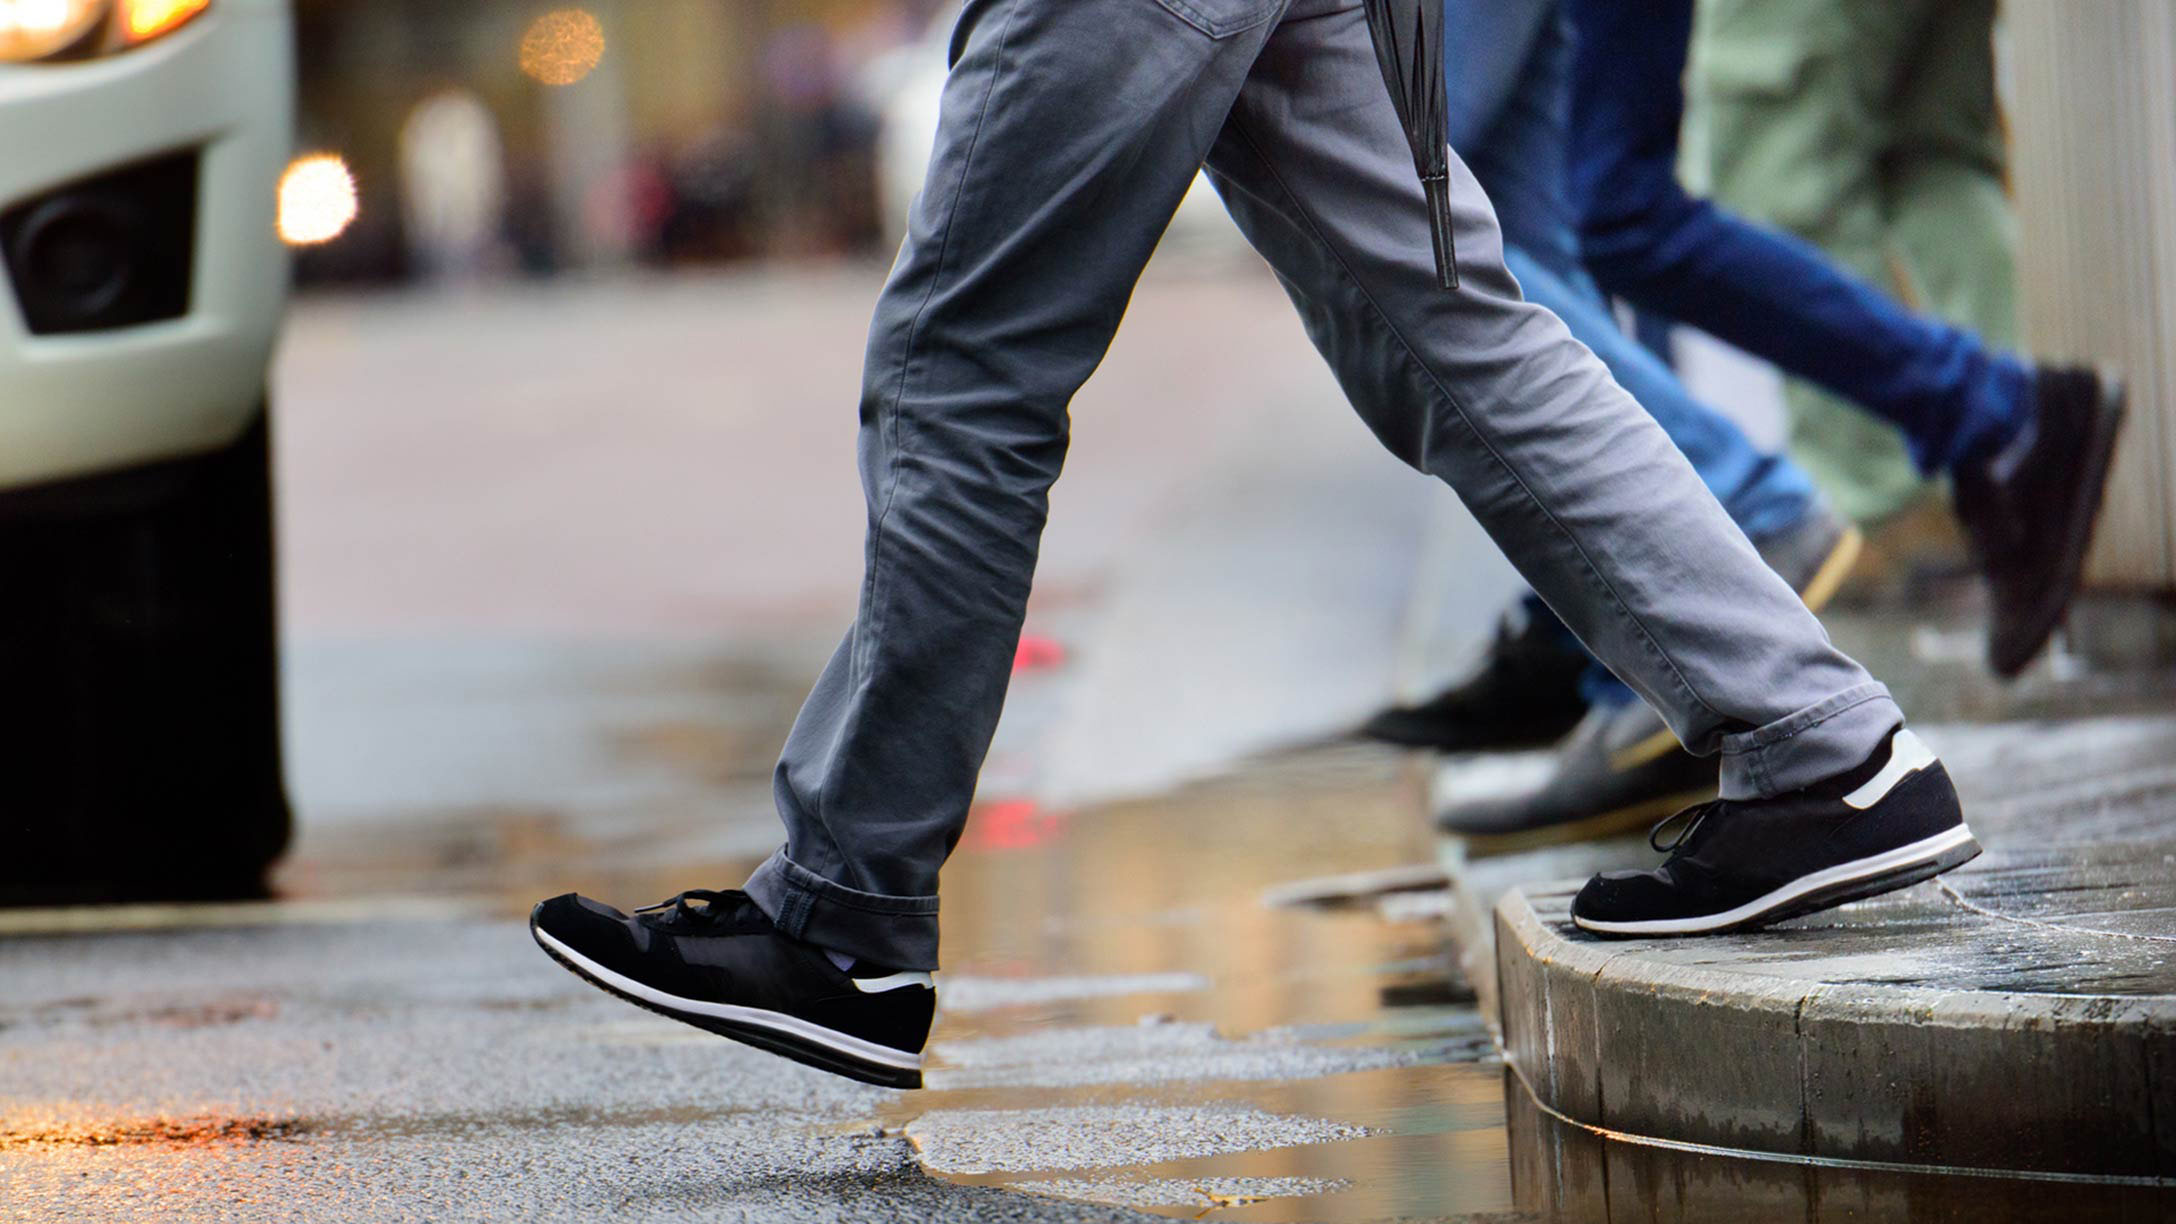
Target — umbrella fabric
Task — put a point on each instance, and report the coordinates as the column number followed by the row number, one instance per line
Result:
column 1409, row 48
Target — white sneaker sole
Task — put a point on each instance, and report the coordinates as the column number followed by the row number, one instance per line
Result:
column 1850, row 881
column 791, row 1030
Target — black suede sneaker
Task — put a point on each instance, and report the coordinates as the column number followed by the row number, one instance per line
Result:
column 2031, row 507
column 1524, row 694
column 1739, row 864
column 713, row 960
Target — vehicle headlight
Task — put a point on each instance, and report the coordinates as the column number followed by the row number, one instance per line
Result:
column 77, row 29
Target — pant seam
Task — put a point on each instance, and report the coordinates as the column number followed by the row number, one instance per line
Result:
column 1615, row 600
column 914, row 327
column 872, row 582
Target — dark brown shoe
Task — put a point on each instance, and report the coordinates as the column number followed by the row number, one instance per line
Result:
column 2030, row 509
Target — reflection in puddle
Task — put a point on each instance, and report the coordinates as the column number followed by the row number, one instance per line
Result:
column 1106, row 1136
column 1203, row 1194
column 1131, row 1024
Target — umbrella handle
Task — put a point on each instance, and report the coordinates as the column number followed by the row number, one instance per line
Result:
column 1439, row 224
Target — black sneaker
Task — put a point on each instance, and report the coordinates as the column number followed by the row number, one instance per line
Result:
column 1524, row 694
column 2031, row 507
column 1619, row 769
column 1739, row 864
column 713, row 960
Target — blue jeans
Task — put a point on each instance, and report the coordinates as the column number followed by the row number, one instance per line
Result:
column 1772, row 295
column 1506, row 73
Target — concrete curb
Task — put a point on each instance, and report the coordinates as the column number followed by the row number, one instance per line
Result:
column 1676, row 1041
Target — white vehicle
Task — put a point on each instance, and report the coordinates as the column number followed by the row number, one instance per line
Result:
column 142, row 281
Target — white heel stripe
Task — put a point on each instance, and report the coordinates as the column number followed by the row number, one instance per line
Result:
column 892, row 981
column 1908, row 754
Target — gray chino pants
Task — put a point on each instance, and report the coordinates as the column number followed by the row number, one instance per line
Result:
column 1069, row 131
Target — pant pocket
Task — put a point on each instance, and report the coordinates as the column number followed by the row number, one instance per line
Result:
column 1223, row 18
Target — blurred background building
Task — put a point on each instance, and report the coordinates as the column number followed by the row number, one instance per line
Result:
column 507, row 136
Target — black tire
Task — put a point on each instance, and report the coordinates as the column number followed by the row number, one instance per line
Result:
column 139, row 684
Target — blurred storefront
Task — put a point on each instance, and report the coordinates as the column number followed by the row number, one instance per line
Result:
column 2092, row 104
column 504, row 135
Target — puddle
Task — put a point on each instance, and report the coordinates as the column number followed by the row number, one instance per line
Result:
column 1133, row 1022
column 962, row 993
column 1202, row 1194
column 1106, row 1136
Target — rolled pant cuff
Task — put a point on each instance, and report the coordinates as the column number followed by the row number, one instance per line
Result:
column 895, row 932
column 1814, row 744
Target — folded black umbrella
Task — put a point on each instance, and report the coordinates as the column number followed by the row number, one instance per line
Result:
column 1409, row 47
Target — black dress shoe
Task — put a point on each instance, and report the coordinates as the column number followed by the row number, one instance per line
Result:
column 713, row 960
column 2030, row 509
column 1739, row 864
column 1620, row 769
column 1524, row 694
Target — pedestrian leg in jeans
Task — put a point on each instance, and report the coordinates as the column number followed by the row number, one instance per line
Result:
column 1613, row 764
column 2027, row 448
column 1092, row 115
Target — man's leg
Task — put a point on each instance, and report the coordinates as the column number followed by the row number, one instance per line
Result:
column 1068, row 133
column 1506, row 66
column 1824, row 797
column 1796, row 98
column 2028, row 448
column 1578, row 485
column 1955, row 399
column 1070, row 129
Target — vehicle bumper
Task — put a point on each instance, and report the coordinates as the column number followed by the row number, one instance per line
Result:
column 72, row 404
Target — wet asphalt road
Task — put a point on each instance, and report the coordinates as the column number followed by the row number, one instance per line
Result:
column 378, row 1059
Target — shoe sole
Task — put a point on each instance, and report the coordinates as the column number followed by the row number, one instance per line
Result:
column 2055, row 595
column 1586, row 828
column 1399, row 735
column 777, row 1033
column 1832, row 886
column 1828, row 578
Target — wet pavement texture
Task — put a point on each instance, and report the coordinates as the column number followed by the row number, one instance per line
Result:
column 1129, row 1018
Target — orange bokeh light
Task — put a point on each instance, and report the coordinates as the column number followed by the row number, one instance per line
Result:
column 150, row 18
column 562, row 47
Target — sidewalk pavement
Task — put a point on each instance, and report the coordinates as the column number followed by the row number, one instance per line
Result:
column 2015, row 1017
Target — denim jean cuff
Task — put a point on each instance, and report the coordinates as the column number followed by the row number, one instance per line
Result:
column 895, row 932
column 1814, row 744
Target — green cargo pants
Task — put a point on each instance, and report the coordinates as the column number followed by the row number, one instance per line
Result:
column 1870, row 128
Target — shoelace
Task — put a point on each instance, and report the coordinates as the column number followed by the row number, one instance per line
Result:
column 1697, row 813
column 715, row 907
